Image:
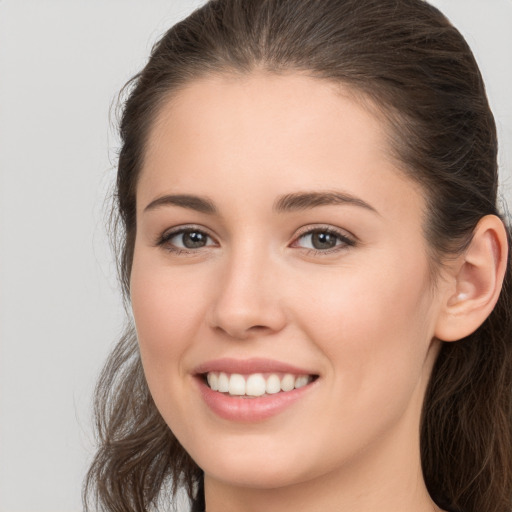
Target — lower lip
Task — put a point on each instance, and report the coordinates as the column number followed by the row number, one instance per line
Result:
column 235, row 408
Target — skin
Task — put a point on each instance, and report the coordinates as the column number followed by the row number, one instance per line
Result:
column 362, row 316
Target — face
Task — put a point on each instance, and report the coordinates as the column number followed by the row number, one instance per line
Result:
column 280, row 257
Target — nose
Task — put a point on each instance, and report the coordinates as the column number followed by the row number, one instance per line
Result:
column 248, row 301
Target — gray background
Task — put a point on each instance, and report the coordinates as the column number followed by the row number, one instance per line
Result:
column 61, row 65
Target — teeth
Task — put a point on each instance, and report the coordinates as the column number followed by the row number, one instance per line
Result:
column 223, row 383
column 255, row 384
column 236, row 384
column 213, row 381
column 301, row 381
column 287, row 382
column 273, row 384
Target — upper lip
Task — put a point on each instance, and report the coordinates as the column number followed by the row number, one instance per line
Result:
column 249, row 366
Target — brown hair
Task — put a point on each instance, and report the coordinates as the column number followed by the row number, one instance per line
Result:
column 416, row 67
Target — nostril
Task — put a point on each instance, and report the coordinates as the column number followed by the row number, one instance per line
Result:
column 258, row 330
column 244, row 333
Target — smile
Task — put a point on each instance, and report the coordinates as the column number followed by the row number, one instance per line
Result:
column 252, row 390
column 256, row 384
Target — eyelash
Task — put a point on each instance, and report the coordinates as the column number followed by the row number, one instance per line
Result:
column 345, row 240
column 166, row 237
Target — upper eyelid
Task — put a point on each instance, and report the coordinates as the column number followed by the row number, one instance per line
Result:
column 169, row 233
column 347, row 239
column 300, row 232
column 186, row 227
column 310, row 228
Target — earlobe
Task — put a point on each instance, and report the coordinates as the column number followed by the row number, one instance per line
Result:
column 477, row 277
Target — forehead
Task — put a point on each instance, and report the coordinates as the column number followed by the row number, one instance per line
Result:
column 292, row 131
column 275, row 108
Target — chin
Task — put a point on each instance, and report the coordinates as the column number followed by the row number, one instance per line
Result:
column 255, row 476
column 260, row 467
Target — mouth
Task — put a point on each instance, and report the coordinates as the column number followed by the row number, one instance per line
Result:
column 255, row 384
column 253, row 390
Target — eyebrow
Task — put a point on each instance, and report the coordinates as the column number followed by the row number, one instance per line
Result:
column 306, row 200
column 197, row 203
column 288, row 203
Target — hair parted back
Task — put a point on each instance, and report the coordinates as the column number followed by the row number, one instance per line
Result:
column 409, row 61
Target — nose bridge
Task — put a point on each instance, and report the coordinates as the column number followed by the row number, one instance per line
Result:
column 247, row 300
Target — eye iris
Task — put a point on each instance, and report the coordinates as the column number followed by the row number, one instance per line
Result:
column 323, row 240
column 194, row 239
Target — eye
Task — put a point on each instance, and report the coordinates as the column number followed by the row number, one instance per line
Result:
column 323, row 240
column 186, row 240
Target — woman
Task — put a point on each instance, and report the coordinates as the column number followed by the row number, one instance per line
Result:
column 316, row 265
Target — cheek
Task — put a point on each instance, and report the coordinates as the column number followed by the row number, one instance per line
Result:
column 373, row 326
column 167, row 309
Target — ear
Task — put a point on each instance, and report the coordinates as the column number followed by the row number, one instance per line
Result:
column 475, row 281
